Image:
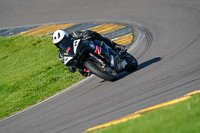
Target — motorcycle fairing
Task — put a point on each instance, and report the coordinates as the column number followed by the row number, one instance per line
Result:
column 69, row 48
column 98, row 50
column 67, row 59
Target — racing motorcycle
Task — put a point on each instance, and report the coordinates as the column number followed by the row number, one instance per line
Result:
column 97, row 57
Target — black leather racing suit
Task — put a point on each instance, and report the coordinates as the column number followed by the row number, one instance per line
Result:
column 88, row 35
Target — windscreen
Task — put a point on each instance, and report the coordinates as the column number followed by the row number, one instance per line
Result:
column 67, row 46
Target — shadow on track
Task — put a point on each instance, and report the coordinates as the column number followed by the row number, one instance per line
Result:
column 149, row 62
column 140, row 66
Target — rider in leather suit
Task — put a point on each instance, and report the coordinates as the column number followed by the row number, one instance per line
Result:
column 87, row 35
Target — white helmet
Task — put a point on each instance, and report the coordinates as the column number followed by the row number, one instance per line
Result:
column 58, row 36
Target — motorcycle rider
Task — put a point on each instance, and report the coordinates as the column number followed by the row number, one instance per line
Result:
column 59, row 35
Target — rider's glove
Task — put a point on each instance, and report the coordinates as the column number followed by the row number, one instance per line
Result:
column 72, row 69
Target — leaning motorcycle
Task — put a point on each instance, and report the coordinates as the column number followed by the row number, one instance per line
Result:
column 97, row 57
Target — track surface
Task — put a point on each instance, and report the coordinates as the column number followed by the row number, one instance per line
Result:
column 169, row 66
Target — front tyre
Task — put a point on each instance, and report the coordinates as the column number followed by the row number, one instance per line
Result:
column 94, row 67
column 132, row 63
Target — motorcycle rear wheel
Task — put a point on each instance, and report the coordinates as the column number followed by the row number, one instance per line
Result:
column 93, row 67
column 132, row 63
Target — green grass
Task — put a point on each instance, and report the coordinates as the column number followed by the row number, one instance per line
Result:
column 183, row 117
column 30, row 72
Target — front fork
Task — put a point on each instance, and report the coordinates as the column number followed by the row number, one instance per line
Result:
column 103, row 65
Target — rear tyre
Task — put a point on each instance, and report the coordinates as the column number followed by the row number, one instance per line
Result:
column 132, row 63
column 93, row 67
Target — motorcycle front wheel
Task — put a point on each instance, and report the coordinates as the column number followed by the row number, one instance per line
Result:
column 96, row 69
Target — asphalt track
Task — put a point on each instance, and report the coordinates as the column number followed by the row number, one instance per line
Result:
column 168, row 55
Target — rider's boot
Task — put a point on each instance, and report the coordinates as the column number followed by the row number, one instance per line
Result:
column 85, row 74
column 120, row 47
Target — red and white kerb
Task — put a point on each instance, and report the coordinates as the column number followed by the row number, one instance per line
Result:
column 98, row 50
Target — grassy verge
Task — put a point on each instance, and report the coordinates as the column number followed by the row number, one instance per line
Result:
column 183, row 117
column 30, row 72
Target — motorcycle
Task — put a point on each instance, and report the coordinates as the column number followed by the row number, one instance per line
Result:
column 97, row 57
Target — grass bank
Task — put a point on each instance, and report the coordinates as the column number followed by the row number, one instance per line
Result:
column 30, row 72
column 183, row 117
